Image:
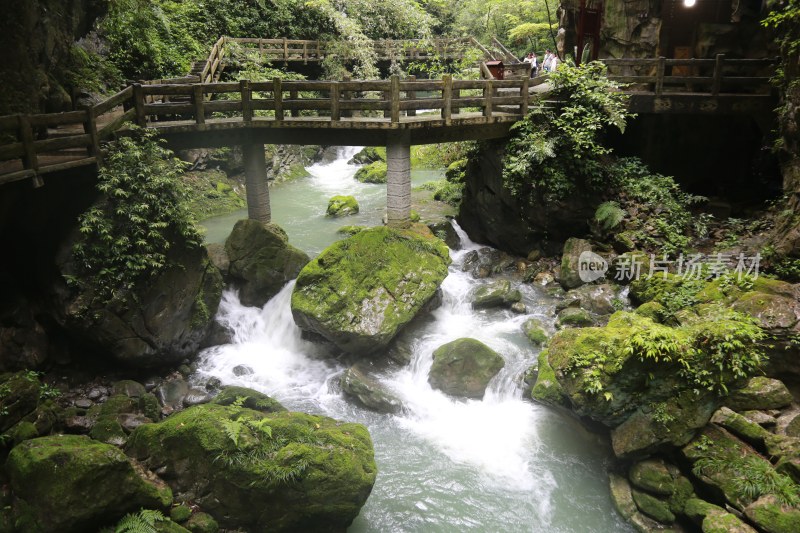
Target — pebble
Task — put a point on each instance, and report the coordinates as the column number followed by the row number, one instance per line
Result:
column 83, row 403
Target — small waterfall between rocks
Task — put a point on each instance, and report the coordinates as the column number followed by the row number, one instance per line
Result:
column 497, row 464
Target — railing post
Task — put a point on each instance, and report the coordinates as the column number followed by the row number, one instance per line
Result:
column 395, row 98
column 447, row 98
column 285, row 51
column 523, row 92
column 659, row 88
column 247, row 104
column 293, row 96
column 277, row 94
column 305, row 53
column 348, row 95
column 138, row 103
column 456, row 96
column 319, row 52
column 488, row 94
column 716, row 84
column 412, row 95
column 334, row 93
column 29, row 160
column 90, row 127
column 198, row 97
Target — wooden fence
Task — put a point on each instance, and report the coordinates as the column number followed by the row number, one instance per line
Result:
column 384, row 104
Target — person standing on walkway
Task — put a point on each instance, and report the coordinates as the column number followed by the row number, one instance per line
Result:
column 548, row 58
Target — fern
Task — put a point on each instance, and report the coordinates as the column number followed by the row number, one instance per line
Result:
column 142, row 522
column 233, row 428
column 609, row 215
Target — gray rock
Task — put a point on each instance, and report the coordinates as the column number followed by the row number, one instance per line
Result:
column 519, row 308
column 196, row 396
column 129, row 388
column 83, row 403
column 573, row 317
column 759, row 393
column 242, row 370
column 368, row 391
column 131, row 421
column 495, row 294
column 171, row 393
column 569, row 277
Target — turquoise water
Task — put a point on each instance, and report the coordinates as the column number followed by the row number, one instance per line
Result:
column 501, row 464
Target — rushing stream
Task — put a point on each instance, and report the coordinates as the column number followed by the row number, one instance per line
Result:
column 502, row 464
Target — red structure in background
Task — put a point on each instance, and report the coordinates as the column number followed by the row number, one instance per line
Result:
column 589, row 21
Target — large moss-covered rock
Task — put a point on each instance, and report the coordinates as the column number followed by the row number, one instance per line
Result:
column 248, row 398
column 72, row 483
column 547, row 389
column 341, row 206
column 759, row 393
column 770, row 516
column 573, row 317
column 368, row 391
column 262, row 471
column 714, row 519
column 464, row 368
column 534, row 330
column 160, row 323
column 361, row 291
column 653, row 507
column 374, row 172
column 261, row 260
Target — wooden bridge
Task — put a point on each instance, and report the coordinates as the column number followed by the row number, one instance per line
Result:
column 200, row 112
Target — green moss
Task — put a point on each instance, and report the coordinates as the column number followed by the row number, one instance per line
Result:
column 369, row 154
column 652, row 310
column 464, row 367
column 350, row 230
column 373, row 173
column 361, row 290
column 340, row 206
column 70, row 482
column 535, row 332
column 211, row 193
column 653, row 507
column 202, row 523
column 180, row 513
column 248, row 398
column 574, row 318
column 547, row 389
column 770, row 516
column 258, row 471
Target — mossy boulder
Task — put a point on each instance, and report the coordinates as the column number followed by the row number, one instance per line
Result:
column 759, row 393
column 573, row 317
column 172, row 314
column 117, row 416
column 664, row 480
column 534, row 330
column 714, row 519
column 464, row 368
column 262, row 471
column 342, row 206
column 653, row 507
column 495, row 294
column 73, row 483
column 248, row 398
column 358, row 384
column 350, row 230
column 24, row 414
column 202, row 523
column 261, row 260
column 374, row 172
column 599, row 299
column 369, row 154
column 180, row 513
column 769, row 515
column 361, row 291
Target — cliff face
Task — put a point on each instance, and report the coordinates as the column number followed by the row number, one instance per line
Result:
column 36, row 36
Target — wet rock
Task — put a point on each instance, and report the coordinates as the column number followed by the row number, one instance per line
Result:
column 547, row 389
column 202, row 523
column 78, row 424
column 653, row 507
column 96, row 393
column 218, row 335
column 20, row 398
column 129, row 388
column 261, row 260
column 374, row 172
column 621, row 496
column 486, row 262
column 653, row 476
column 740, row 426
column 495, row 294
column 464, row 368
column 714, row 519
column 534, row 330
column 356, row 298
column 213, row 384
column 71, row 483
column 196, row 396
column 793, row 427
column 759, row 393
column 332, row 461
column 242, row 370
column 519, row 308
column 219, row 257
column 444, row 230
column 83, row 403
column 131, row 421
column 368, row 391
column 599, row 299
column 248, row 398
column 762, row 418
column 573, row 317
column 171, row 393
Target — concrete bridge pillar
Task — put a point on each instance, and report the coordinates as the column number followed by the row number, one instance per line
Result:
column 255, row 173
column 398, row 179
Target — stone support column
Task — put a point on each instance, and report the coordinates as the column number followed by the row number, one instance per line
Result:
column 255, row 173
column 398, row 179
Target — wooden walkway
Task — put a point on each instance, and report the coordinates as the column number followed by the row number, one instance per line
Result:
column 189, row 112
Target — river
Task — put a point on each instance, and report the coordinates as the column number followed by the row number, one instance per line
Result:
column 501, row 464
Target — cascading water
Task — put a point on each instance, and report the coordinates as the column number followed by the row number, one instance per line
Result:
column 497, row 464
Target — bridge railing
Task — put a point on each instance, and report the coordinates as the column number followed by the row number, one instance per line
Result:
column 709, row 76
column 28, row 150
column 314, row 50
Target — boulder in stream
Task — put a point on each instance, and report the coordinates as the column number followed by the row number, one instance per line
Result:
column 257, row 471
column 495, row 294
column 261, row 260
column 361, row 291
column 464, row 368
column 342, row 206
column 368, row 391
